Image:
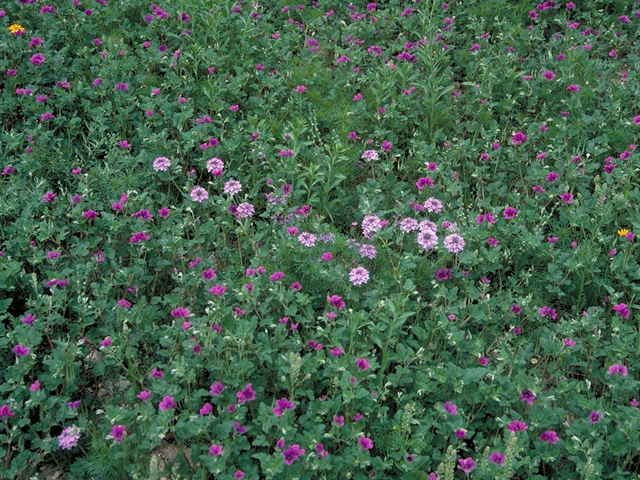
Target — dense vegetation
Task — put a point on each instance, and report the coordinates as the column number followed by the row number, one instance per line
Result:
column 260, row 240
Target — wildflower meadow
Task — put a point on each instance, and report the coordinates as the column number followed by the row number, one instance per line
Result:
column 326, row 240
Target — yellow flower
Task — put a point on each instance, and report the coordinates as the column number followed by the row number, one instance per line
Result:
column 622, row 232
column 16, row 29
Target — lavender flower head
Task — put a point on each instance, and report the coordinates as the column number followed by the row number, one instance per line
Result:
column 359, row 276
column 161, row 164
column 454, row 243
column 369, row 155
column 69, row 438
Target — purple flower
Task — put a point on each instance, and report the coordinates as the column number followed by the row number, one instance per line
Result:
column 180, row 312
column 139, row 237
column 362, row 364
column 144, row 395
column 567, row 198
column 369, row 155
column 161, row 164
column 450, row 408
column 21, row 351
column 359, row 276
column 365, row 443
column 292, row 453
column 618, row 369
column 548, row 311
column 241, row 429
column 622, row 310
column 199, row 194
column 510, row 212
column 550, row 437
column 527, row 396
column 454, row 243
column 281, row 405
column 232, row 187
column 69, row 438
column 167, row 403
column 594, row 417
column 517, row 426
column 444, row 274
column 117, row 432
column 307, row 239
column 37, row 59
column 215, row 450
column 466, row 464
column 245, row 210
column 497, row 458
column 519, row 138
column 246, row 395
column 5, row 412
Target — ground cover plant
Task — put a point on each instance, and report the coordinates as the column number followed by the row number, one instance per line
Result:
column 319, row 240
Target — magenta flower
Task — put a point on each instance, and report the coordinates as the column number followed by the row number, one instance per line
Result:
column 275, row 276
column 622, row 310
column 167, row 403
column 282, row 405
column 215, row 450
column 21, row 351
column 450, row 408
column 218, row 290
column 180, row 312
column 365, row 443
column 5, row 412
column 117, row 432
column 246, row 395
column 292, row 453
column 510, row 213
column 527, row 396
column 144, row 395
column 548, row 311
column 594, row 417
column 519, row 138
column 362, row 364
column 618, row 369
column 573, row 88
column 550, row 437
column 37, row 59
column 497, row 458
column 301, row 89
column 517, row 426
column 549, row 75
column 461, row 433
column 568, row 342
column 139, row 237
column 28, row 319
column 336, row 301
column 567, row 198
column 216, row 389
column 466, row 464
column 156, row 373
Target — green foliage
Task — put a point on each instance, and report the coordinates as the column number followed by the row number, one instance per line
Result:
column 311, row 293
